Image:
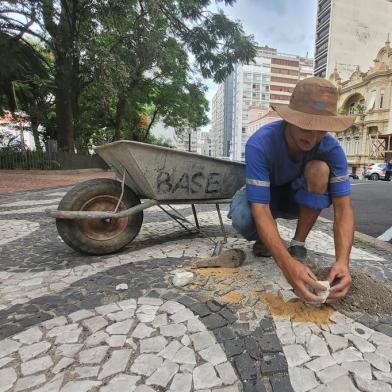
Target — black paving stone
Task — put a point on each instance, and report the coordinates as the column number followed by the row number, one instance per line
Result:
column 186, row 301
column 234, row 347
column 214, row 306
column 252, row 348
column 245, row 366
column 384, row 328
column 267, row 325
column 170, row 296
column 281, row 383
column 214, row 321
column 223, row 334
column 228, row 315
column 201, row 309
column 38, row 318
column 242, row 329
column 270, row 344
column 385, row 319
column 368, row 321
column 254, row 386
column 273, row 363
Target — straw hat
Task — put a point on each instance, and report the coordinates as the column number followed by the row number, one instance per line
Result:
column 313, row 106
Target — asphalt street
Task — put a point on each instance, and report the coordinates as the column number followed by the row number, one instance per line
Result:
column 372, row 202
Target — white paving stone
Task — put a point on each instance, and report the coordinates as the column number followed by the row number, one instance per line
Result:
column 302, row 379
column 340, row 318
column 122, row 315
column 145, row 318
column 163, row 375
column 96, row 338
column 121, row 383
column 29, row 382
column 5, row 361
column 127, row 304
column 159, row 320
column 71, row 336
column 7, row 379
column 340, row 329
column 117, row 363
column 335, row 342
column 32, row 335
column 29, row 352
column 371, row 385
column 320, row 363
column 146, row 364
column 142, row 331
column 316, row 346
column 204, row 376
column 385, row 351
column 181, row 383
column 147, row 309
column 87, row 371
column 182, row 315
column 360, row 368
column 36, row 365
column 295, row 355
column 186, row 341
column 387, row 377
column 116, row 340
column 62, row 364
column 171, row 307
column 185, row 355
column 144, row 388
column 53, row 385
column 377, row 361
column 8, row 346
column 195, row 325
column 105, row 309
column 186, row 368
column 360, row 330
column 173, row 330
column 213, row 354
column 55, row 322
column 347, row 355
column 170, row 350
column 120, row 328
column 93, row 355
column 68, row 350
column 94, row 324
column 57, row 331
column 380, row 339
column 202, row 340
column 226, row 373
column 149, row 301
column 286, row 335
column 331, row 373
column 81, row 315
column 80, row 386
column 153, row 345
column 361, row 344
column 343, row 384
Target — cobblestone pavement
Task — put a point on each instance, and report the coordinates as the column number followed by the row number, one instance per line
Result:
column 65, row 327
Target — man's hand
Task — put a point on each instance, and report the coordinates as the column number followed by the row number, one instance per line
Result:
column 340, row 275
column 298, row 275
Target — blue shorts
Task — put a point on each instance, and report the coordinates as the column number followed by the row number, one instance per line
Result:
column 285, row 201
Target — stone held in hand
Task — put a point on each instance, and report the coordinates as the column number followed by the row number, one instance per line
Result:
column 231, row 258
column 181, row 279
column 324, row 294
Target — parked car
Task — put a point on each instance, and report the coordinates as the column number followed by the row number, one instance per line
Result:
column 375, row 172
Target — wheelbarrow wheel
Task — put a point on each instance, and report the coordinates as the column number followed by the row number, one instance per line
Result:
column 99, row 236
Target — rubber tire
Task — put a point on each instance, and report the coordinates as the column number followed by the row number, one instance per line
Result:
column 69, row 229
column 374, row 177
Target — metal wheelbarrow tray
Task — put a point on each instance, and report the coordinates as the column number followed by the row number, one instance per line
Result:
column 102, row 216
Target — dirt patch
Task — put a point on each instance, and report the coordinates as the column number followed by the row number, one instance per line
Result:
column 297, row 311
column 366, row 295
column 234, row 297
column 218, row 272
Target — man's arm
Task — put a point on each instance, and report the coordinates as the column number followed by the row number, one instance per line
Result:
column 343, row 229
column 297, row 274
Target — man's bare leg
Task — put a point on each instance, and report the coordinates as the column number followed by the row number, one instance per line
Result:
column 317, row 178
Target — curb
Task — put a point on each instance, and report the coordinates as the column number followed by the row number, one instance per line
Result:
column 364, row 237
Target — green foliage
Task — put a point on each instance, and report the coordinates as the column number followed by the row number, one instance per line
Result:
column 112, row 62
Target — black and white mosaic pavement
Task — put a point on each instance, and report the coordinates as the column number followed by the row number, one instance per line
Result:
column 65, row 327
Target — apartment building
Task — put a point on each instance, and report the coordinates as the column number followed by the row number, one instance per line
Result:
column 270, row 79
column 348, row 33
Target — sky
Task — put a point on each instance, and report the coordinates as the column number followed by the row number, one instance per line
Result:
column 287, row 25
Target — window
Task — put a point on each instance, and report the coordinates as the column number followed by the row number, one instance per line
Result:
column 372, row 100
column 382, row 92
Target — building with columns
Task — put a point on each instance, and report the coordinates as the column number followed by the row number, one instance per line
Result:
column 368, row 95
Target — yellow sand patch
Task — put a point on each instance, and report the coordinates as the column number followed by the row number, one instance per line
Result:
column 217, row 272
column 234, row 297
column 297, row 311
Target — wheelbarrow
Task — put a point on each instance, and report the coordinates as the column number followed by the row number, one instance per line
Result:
column 102, row 216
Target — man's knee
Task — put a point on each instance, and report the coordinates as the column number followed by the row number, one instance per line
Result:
column 317, row 176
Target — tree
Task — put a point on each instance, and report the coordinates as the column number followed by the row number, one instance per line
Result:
column 127, row 43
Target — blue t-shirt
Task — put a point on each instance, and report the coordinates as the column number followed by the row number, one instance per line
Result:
column 268, row 163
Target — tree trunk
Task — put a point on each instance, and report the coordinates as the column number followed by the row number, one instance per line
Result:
column 150, row 125
column 120, row 112
column 34, row 129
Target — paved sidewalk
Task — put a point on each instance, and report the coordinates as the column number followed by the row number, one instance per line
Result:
column 65, row 327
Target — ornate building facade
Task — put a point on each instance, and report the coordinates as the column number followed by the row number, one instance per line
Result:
column 368, row 95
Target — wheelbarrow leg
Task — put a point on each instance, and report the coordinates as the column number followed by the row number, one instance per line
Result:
column 219, row 245
column 195, row 216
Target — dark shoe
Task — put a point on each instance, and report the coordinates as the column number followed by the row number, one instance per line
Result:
column 298, row 252
column 259, row 250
